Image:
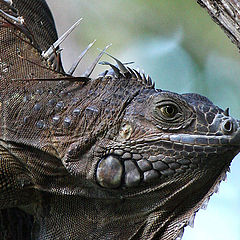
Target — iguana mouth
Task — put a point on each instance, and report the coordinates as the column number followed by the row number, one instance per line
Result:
column 201, row 140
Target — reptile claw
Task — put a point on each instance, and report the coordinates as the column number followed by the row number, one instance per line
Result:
column 88, row 72
column 52, row 49
column 80, row 57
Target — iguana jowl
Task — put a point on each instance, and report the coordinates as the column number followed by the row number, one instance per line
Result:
column 104, row 158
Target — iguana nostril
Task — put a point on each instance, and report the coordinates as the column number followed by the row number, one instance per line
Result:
column 227, row 126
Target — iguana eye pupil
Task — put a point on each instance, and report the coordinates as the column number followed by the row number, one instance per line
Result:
column 169, row 111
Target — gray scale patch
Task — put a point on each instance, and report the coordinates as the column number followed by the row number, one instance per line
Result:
column 169, row 160
column 150, row 176
column 62, row 93
column 107, row 111
column 185, row 166
column 188, row 148
column 39, row 91
column 183, row 161
column 111, row 151
column 75, row 100
column 200, row 140
column 213, row 141
column 174, row 165
column 40, row 124
column 144, row 165
column 134, row 151
column 92, row 109
column 156, row 158
column 180, row 170
column 37, row 106
column 118, row 152
column 139, row 141
column 175, row 138
column 56, row 120
column 126, row 156
column 159, row 165
column 26, row 120
column 26, row 98
column 154, row 148
column 224, row 141
column 67, row 122
column 109, row 172
column 52, row 102
column 185, row 154
column 136, row 156
column 196, row 160
column 167, row 144
column 192, row 154
column 178, row 146
column 193, row 166
column 141, row 145
column 167, row 172
column 198, row 149
column 146, row 148
column 187, row 139
column 132, row 175
column 76, row 111
column 59, row 106
column 153, row 158
column 210, row 149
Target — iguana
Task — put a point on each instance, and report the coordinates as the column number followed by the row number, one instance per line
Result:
column 104, row 158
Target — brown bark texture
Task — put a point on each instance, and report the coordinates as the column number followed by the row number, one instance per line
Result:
column 226, row 13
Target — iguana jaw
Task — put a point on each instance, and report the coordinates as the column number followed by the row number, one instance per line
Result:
column 124, row 167
column 202, row 140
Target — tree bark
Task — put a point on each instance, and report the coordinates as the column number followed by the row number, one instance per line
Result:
column 226, row 13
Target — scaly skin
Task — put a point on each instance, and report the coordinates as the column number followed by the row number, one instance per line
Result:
column 104, row 158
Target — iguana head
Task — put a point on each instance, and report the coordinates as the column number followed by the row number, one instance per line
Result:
column 164, row 134
column 173, row 148
column 165, row 155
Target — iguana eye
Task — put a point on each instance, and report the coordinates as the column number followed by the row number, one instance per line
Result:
column 169, row 111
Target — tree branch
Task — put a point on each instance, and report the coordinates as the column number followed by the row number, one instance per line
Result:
column 226, row 13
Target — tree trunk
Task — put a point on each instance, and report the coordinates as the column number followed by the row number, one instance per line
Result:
column 226, row 13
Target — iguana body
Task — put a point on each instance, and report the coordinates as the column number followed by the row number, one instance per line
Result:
column 104, row 158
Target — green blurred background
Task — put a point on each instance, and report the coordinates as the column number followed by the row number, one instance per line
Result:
column 183, row 50
column 175, row 41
